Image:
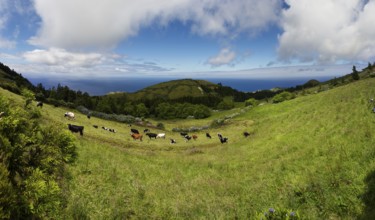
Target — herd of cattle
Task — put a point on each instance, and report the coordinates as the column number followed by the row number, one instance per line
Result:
column 136, row 135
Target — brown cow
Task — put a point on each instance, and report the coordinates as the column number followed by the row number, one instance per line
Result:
column 136, row 136
column 194, row 137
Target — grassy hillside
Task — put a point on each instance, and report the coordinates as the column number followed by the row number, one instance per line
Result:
column 314, row 155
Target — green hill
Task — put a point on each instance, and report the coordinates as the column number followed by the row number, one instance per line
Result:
column 13, row 81
column 313, row 155
column 175, row 89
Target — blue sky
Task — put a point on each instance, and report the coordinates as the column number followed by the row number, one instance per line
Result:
column 186, row 38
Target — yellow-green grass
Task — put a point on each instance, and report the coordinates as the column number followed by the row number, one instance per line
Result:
column 314, row 154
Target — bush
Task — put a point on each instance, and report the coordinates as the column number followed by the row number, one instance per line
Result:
column 283, row 97
column 251, row 102
column 32, row 165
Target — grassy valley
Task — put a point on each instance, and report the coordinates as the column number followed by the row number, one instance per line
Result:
column 312, row 155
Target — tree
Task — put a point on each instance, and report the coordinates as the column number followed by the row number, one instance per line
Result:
column 283, row 97
column 355, row 74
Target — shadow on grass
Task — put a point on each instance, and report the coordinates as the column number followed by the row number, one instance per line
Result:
column 369, row 197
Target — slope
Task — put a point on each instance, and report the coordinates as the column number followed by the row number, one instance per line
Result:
column 313, row 154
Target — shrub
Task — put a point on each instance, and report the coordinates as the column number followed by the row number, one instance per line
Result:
column 283, row 97
column 32, row 165
column 251, row 102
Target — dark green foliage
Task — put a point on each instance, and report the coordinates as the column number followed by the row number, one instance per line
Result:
column 225, row 104
column 178, row 110
column 32, row 161
column 355, row 74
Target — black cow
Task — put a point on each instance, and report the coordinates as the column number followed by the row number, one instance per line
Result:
column 246, row 134
column 76, row 129
column 173, row 141
column 39, row 104
column 223, row 140
column 134, row 131
column 151, row 135
column 88, row 116
column 208, row 135
column 95, row 126
column 187, row 137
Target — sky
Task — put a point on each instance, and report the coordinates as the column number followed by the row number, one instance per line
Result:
column 113, row 39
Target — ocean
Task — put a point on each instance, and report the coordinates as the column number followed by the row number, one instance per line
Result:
column 97, row 87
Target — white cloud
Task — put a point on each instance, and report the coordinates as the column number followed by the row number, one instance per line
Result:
column 103, row 23
column 225, row 57
column 328, row 31
column 61, row 57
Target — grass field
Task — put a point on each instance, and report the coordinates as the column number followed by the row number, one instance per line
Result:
column 313, row 154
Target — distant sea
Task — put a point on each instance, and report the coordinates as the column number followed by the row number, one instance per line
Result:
column 104, row 86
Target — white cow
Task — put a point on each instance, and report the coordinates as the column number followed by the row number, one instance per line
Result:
column 161, row 135
column 70, row 115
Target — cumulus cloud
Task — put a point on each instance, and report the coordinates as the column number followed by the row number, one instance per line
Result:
column 57, row 56
column 102, row 23
column 225, row 57
column 328, row 31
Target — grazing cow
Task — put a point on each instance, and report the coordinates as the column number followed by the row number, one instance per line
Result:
column 76, row 129
column 134, row 131
column 88, row 116
column 161, row 135
column 146, row 130
column 151, row 135
column 112, row 130
column 173, row 141
column 223, row 140
column 208, row 135
column 246, row 134
column 104, row 128
column 183, row 134
column 70, row 115
column 95, row 126
column 194, row 137
column 39, row 104
column 187, row 138
column 136, row 136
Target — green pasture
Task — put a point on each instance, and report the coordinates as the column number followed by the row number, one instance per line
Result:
column 313, row 155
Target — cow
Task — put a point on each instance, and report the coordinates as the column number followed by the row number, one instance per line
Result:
column 95, row 126
column 76, row 128
column 134, row 131
column 151, row 135
column 112, row 130
column 173, row 141
column 88, row 116
column 161, row 135
column 187, row 138
column 194, row 137
column 223, row 140
column 183, row 134
column 136, row 136
column 246, row 134
column 70, row 115
column 208, row 135
column 39, row 104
